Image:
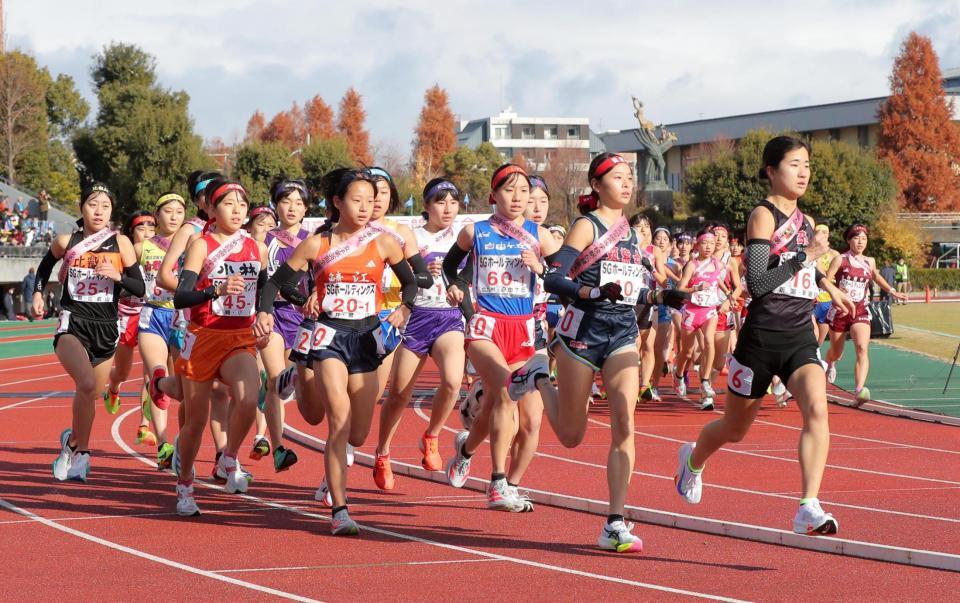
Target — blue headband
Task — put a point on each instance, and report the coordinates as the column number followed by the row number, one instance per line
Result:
column 201, row 185
column 538, row 182
column 438, row 187
column 379, row 172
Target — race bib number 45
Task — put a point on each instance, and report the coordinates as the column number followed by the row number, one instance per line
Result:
column 243, row 304
column 630, row 277
column 802, row 284
column 503, row 276
column 350, row 301
column 85, row 285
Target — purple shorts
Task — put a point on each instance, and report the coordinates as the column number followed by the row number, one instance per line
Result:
column 286, row 319
column 426, row 325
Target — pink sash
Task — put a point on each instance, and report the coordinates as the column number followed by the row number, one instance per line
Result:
column 355, row 242
column 510, row 228
column 389, row 231
column 286, row 238
column 87, row 244
column 443, row 234
column 219, row 254
column 198, row 222
column 600, row 247
column 854, row 261
column 786, row 233
column 161, row 242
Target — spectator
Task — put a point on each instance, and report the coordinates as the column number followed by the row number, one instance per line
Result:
column 26, row 291
column 3, row 204
column 52, row 305
column 889, row 274
column 903, row 277
column 18, row 207
column 43, row 203
column 8, row 312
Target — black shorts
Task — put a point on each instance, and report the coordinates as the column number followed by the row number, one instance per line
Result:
column 592, row 337
column 645, row 314
column 98, row 337
column 361, row 350
column 300, row 352
column 761, row 354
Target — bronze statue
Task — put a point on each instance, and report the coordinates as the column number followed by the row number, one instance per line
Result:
column 655, row 141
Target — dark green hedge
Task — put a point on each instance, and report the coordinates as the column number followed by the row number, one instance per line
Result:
column 945, row 279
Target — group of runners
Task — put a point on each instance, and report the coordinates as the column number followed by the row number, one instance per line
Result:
column 241, row 309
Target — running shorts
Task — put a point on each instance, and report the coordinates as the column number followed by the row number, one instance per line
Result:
column 157, row 321
column 426, row 325
column 760, row 354
column 694, row 317
column 360, row 350
column 820, row 312
column 842, row 324
column 286, row 321
column 205, row 350
column 514, row 335
column 127, row 325
column 592, row 337
column 725, row 322
column 644, row 314
column 389, row 334
column 300, row 351
column 98, row 337
column 553, row 314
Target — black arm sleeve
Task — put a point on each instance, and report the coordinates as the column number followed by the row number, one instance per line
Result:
column 818, row 276
column 43, row 271
column 451, row 264
column 420, row 270
column 556, row 280
column 132, row 280
column 284, row 277
column 761, row 281
column 186, row 295
column 408, row 282
column 466, row 305
column 291, row 291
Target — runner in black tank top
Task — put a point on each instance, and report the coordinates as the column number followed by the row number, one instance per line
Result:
column 97, row 263
column 777, row 338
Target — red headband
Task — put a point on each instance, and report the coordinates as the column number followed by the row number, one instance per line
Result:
column 608, row 164
column 723, row 228
column 258, row 211
column 222, row 191
column 141, row 219
column 857, row 230
column 705, row 235
column 501, row 176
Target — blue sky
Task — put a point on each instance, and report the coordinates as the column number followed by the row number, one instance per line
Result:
column 684, row 59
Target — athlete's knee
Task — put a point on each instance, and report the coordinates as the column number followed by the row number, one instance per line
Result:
column 862, row 348
column 311, row 413
column 736, row 430
column 86, row 386
column 571, row 437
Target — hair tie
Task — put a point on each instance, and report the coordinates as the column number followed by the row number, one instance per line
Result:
column 589, row 202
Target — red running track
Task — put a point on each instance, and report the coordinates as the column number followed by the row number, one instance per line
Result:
column 429, row 540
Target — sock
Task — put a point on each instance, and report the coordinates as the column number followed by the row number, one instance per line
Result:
column 804, row 501
column 690, row 466
column 511, row 484
column 463, row 451
column 498, row 476
column 427, row 436
column 86, row 452
column 186, row 484
column 614, row 517
column 113, row 392
column 336, row 510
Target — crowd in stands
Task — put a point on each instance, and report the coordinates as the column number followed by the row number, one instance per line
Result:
column 20, row 227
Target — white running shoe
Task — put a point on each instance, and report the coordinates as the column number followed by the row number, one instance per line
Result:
column 342, row 525
column 783, row 398
column 617, row 537
column 79, row 467
column 778, row 388
column 322, row 495
column 287, row 382
column 220, row 473
column 458, row 467
column 61, row 466
column 706, row 402
column 831, row 372
column 689, row 483
column 595, row 391
column 679, row 385
column 707, row 388
column 501, row 497
column 186, row 506
column 349, row 455
column 812, row 520
column 523, row 380
column 236, row 478
column 863, row 396
column 655, row 394
column 523, row 498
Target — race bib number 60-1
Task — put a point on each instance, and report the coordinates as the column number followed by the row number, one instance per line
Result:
column 503, row 276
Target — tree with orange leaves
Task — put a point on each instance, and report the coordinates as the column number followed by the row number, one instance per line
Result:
column 435, row 133
column 283, row 129
column 917, row 134
column 255, row 125
column 350, row 120
column 319, row 119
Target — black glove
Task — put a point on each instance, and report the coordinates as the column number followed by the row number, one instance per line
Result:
column 646, row 264
column 673, row 298
column 611, row 291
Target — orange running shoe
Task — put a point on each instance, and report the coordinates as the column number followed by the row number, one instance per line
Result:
column 145, row 436
column 430, row 447
column 111, row 401
column 382, row 472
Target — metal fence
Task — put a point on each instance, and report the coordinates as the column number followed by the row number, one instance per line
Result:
column 33, row 251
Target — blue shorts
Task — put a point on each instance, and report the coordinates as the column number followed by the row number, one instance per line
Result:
column 665, row 313
column 592, row 337
column 157, row 321
column 820, row 312
column 177, row 331
column 390, row 334
column 553, row 315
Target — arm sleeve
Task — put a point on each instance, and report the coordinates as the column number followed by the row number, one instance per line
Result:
column 408, row 282
column 466, row 305
column 186, row 295
column 284, row 277
column 556, row 279
column 420, row 270
column 132, row 280
column 43, row 272
column 451, row 263
column 760, row 280
column 291, row 291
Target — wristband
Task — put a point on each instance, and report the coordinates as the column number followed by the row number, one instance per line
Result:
column 594, row 293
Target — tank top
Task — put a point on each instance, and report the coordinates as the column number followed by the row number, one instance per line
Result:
column 151, row 256
column 85, row 294
column 622, row 264
column 786, row 308
column 853, row 277
column 433, row 247
column 349, row 288
column 277, row 255
column 230, row 311
column 390, row 283
column 502, row 283
column 710, row 272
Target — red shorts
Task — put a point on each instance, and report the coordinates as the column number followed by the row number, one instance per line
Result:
column 842, row 324
column 725, row 321
column 514, row 335
column 128, row 326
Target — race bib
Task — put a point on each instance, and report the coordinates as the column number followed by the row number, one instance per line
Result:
column 322, row 336
column 503, row 276
column 155, row 293
column 802, row 284
column 243, row 304
column 350, row 301
column 85, row 285
column 569, row 324
column 435, row 296
column 857, row 290
column 708, row 298
column 301, row 343
column 630, row 277
column 481, row 326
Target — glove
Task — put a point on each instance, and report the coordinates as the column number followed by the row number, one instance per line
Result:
column 673, row 298
column 610, row 291
column 646, row 264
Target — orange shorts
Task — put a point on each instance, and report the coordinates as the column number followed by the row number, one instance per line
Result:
column 205, row 350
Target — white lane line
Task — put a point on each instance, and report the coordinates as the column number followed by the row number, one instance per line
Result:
column 419, row 410
column 115, row 431
column 352, row 566
column 150, row 557
column 937, row 333
column 824, row 544
column 48, row 377
column 59, row 394
column 20, row 368
column 94, row 517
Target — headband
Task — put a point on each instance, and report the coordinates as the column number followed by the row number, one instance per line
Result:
column 705, row 235
column 142, row 219
column 379, row 172
column 538, row 182
column 720, row 227
column 168, row 198
column 501, row 176
column 440, row 186
column 821, row 227
column 662, row 229
column 288, row 186
column 856, row 230
column 263, row 209
column 98, row 188
column 223, row 190
column 201, row 185
column 684, row 237
column 592, row 200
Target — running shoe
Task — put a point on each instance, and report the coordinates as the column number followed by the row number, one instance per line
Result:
column 706, row 402
column 500, row 497
column 111, row 401
column 523, row 380
column 342, row 525
column 237, row 481
column 283, row 459
column 595, row 391
column 322, row 495
column 783, row 398
column 689, row 482
column 220, row 474
column 165, row 456
column 777, row 388
column 646, row 394
column 145, row 403
column 175, row 461
column 79, row 467
column 430, row 447
column 262, row 394
column 383, row 472
column 145, row 436
column 812, row 520
column 458, row 468
column 186, row 506
column 831, row 372
column 349, row 455
column 680, row 385
column 287, row 383
column 261, row 448
column 655, row 394
column 524, row 499
column 160, row 399
column 863, row 396
column 61, row 466
column 707, row 388
column 617, row 537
